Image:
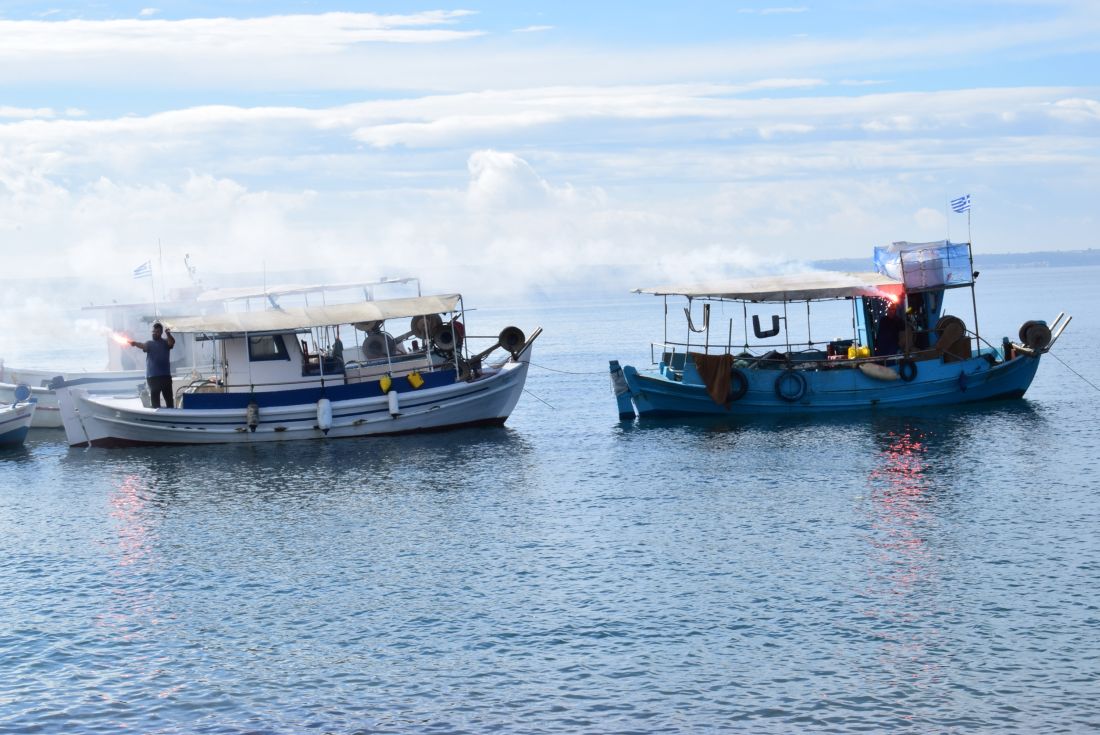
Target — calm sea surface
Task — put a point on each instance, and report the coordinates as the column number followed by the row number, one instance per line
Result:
column 934, row 571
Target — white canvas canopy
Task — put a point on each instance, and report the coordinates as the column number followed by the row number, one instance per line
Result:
column 298, row 318
column 802, row 287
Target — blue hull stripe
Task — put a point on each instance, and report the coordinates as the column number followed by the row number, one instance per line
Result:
column 181, row 417
column 335, row 392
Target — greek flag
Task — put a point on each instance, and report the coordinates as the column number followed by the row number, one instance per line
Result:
column 962, row 204
column 145, row 270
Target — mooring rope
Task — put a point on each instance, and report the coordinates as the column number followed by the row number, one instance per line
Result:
column 568, row 372
column 538, row 399
column 1079, row 375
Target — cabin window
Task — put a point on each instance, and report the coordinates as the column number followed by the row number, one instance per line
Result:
column 269, row 347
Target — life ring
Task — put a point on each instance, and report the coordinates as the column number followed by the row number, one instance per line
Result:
column 907, row 370
column 790, row 385
column 739, row 386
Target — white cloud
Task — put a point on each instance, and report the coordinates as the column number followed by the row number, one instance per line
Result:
column 25, row 112
column 426, row 51
column 927, row 218
column 532, row 29
column 1076, row 110
column 147, row 12
column 281, row 35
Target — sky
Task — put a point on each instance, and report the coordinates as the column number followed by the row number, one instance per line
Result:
column 499, row 146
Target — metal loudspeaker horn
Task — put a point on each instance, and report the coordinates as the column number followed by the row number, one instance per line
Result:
column 425, row 326
column 512, row 339
column 446, row 338
column 379, row 344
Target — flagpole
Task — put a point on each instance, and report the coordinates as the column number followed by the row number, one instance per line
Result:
column 153, row 289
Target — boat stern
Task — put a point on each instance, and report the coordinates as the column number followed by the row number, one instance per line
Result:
column 621, row 389
column 67, row 400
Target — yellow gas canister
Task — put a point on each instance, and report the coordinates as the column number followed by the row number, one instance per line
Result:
column 384, row 383
column 415, row 380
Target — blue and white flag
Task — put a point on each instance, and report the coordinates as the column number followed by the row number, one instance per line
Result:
column 145, row 270
column 962, row 204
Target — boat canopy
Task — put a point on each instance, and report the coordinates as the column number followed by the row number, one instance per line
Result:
column 814, row 286
column 300, row 318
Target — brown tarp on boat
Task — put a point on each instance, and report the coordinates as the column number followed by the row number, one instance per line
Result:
column 715, row 370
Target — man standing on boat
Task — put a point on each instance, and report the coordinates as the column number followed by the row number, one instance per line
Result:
column 158, row 365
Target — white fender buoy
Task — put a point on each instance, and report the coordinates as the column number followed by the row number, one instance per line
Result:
column 394, row 407
column 324, row 415
column 878, row 372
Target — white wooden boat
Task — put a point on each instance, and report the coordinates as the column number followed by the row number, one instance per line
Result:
column 124, row 373
column 268, row 389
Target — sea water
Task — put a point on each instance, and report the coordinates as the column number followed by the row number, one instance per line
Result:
column 914, row 571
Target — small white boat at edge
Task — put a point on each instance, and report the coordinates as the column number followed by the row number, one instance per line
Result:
column 15, row 418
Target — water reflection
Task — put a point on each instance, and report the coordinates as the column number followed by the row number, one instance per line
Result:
column 133, row 606
column 906, row 553
column 299, row 472
column 130, row 516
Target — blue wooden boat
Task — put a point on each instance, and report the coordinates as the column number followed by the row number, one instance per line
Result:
column 903, row 349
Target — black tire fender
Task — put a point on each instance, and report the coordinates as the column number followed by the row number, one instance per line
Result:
column 790, row 378
column 739, row 386
column 907, row 370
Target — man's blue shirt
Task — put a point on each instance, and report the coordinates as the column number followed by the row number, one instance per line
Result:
column 157, row 360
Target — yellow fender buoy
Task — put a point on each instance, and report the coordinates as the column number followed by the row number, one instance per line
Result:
column 415, row 380
column 385, row 383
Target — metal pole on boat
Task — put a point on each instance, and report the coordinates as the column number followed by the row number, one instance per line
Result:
column 973, row 295
column 706, row 326
column 855, row 321
column 666, row 320
column 809, row 331
column 786, row 328
column 745, row 322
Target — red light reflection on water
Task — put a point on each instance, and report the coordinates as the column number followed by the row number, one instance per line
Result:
column 128, row 512
column 134, row 606
column 904, row 569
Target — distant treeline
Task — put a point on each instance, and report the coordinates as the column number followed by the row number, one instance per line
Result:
column 1043, row 259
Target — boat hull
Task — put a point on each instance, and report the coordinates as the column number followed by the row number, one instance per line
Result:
column 110, row 421
column 15, row 422
column 48, row 413
column 771, row 391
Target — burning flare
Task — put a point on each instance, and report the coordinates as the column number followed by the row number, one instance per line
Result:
column 121, row 339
